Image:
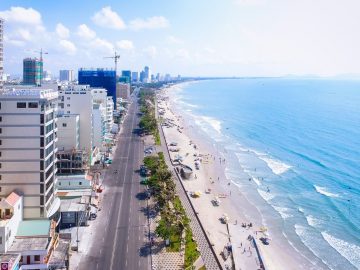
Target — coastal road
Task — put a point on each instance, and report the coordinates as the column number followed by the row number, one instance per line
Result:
column 120, row 238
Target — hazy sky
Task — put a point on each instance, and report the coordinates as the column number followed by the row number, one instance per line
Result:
column 188, row 37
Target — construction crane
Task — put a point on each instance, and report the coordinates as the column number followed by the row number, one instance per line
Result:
column 116, row 58
column 41, row 52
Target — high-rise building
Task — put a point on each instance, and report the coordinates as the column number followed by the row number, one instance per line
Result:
column 1, row 53
column 135, row 76
column 99, row 78
column 126, row 74
column 77, row 99
column 28, row 136
column 32, row 71
column 66, row 76
column 147, row 74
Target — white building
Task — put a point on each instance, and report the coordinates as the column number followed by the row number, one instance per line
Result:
column 11, row 213
column 100, row 97
column 28, row 136
column 66, row 76
column 77, row 99
column 99, row 124
column 68, row 132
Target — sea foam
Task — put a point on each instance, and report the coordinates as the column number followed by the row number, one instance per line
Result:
column 350, row 251
column 283, row 211
column 267, row 196
column 275, row 165
column 215, row 124
column 324, row 191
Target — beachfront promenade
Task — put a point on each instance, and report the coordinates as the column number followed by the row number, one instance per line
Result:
column 207, row 253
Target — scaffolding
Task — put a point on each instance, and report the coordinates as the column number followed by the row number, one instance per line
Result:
column 72, row 162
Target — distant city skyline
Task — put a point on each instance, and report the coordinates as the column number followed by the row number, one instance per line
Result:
column 205, row 38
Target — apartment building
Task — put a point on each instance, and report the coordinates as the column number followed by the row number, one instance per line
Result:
column 28, row 136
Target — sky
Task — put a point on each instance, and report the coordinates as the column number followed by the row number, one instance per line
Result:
column 187, row 37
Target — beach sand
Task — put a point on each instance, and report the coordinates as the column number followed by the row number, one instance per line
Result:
column 211, row 175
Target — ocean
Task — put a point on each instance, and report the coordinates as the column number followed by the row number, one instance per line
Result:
column 293, row 148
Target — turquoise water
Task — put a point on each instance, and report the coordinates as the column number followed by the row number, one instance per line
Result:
column 299, row 142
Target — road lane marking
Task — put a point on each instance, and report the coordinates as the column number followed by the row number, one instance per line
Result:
column 118, row 219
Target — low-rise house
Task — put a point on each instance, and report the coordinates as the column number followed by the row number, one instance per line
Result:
column 11, row 214
column 37, row 242
column 10, row 261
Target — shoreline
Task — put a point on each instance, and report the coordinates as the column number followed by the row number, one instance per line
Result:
column 236, row 205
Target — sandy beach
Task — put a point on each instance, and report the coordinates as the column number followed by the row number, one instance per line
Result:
column 210, row 182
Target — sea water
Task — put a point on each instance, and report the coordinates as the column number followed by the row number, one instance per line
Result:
column 298, row 141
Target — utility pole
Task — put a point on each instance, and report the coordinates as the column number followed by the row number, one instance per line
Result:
column 116, row 58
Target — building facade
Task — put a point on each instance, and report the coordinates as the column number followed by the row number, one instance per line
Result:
column 32, row 71
column 135, row 76
column 1, row 53
column 28, row 136
column 77, row 99
column 66, row 76
column 123, row 91
column 99, row 78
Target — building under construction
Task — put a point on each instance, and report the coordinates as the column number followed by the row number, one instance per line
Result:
column 72, row 162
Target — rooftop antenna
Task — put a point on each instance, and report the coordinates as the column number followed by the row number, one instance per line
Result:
column 116, row 58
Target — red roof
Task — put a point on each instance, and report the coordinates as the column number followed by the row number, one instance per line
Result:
column 12, row 198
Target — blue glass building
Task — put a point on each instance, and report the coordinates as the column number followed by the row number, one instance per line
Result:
column 99, row 78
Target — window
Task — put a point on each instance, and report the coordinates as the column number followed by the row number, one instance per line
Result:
column 64, row 124
column 68, row 111
column 0, row 177
column 41, row 118
column 80, row 183
column 21, row 105
column 0, row 118
column 41, row 200
column 0, row 154
column 33, row 105
column 0, row 142
column 41, row 188
column 0, row 240
column 41, row 211
column 68, row 98
column 67, row 105
column 0, row 165
column 37, row 258
column 7, row 212
column 0, row 130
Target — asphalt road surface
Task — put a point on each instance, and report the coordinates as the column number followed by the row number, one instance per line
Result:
column 120, row 240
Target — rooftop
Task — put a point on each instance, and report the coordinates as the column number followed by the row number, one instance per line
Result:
column 59, row 255
column 33, row 228
column 31, row 92
column 9, row 257
column 27, row 244
column 73, row 205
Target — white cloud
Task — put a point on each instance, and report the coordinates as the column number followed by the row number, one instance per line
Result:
column 151, row 51
column 62, row 31
column 174, row 40
column 23, row 34
column 108, row 18
column 183, row 54
column 125, row 44
column 68, row 47
column 21, row 15
column 85, row 32
column 102, row 45
column 149, row 23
